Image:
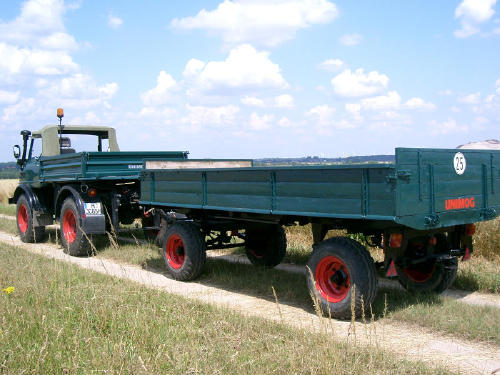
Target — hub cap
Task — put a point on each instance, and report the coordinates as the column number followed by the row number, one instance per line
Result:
column 22, row 218
column 332, row 279
column 174, row 251
column 69, row 226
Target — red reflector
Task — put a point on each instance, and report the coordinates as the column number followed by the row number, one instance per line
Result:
column 391, row 270
column 432, row 241
column 92, row 193
column 466, row 255
column 396, row 240
column 470, row 229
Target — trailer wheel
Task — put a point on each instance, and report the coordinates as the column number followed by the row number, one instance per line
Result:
column 184, row 251
column 24, row 217
column 265, row 246
column 74, row 241
column 335, row 267
column 430, row 276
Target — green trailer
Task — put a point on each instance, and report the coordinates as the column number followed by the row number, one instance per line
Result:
column 420, row 210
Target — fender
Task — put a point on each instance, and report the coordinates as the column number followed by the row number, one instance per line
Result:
column 40, row 215
column 95, row 224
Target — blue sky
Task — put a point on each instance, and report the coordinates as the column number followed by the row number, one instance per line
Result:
column 254, row 78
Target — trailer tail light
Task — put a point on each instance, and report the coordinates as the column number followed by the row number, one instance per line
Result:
column 396, row 240
column 92, row 192
column 470, row 229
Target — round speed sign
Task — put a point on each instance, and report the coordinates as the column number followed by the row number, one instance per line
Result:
column 459, row 163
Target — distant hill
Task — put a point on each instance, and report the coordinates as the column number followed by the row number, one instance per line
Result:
column 311, row 160
column 8, row 170
column 489, row 144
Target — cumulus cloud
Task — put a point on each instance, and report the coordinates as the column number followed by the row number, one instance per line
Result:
column 114, row 22
column 419, row 103
column 331, row 65
column 447, row 127
column 472, row 13
column 244, row 70
column 382, row 102
column 262, row 22
column 161, row 93
column 284, row 101
column 358, row 84
column 8, row 97
column 351, row 39
column 323, row 113
column 198, row 116
column 252, row 101
column 263, row 122
column 471, row 98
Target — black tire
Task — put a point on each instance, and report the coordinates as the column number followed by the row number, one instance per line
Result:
column 432, row 276
column 266, row 245
column 335, row 266
column 74, row 241
column 184, row 251
column 428, row 277
column 24, row 218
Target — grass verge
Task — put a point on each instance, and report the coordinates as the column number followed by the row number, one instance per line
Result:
column 61, row 319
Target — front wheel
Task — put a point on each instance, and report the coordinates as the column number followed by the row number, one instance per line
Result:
column 342, row 274
column 74, row 241
column 24, row 218
column 184, row 251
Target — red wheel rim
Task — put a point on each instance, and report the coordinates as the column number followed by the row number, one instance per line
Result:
column 332, row 279
column 69, row 226
column 22, row 218
column 418, row 276
column 174, row 251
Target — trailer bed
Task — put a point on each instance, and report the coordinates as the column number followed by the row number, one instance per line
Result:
column 422, row 190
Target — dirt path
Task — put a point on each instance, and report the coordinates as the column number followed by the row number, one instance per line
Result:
column 405, row 341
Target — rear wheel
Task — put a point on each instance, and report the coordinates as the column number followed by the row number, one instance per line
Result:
column 266, row 245
column 432, row 275
column 336, row 266
column 24, row 217
column 74, row 241
column 184, row 251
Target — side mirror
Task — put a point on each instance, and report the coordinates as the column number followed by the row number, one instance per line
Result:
column 17, row 151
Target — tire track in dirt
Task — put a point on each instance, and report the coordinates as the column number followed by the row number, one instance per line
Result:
column 402, row 340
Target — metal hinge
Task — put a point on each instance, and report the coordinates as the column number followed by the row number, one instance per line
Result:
column 401, row 174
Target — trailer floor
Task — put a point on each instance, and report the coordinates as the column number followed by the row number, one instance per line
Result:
column 402, row 340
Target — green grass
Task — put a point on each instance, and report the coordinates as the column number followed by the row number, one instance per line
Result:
column 62, row 319
column 435, row 312
column 8, row 209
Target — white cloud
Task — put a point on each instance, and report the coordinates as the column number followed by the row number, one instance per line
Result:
column 357, row 84
column 252, row 101
column 263, row 122
column 383, row 102
column 284, row 101
column 161, row 93
column 244, row 70
column 419, row 103
column 199, row 116
column 324, row 113
column 114, row 22
column 8, row 97
column 471, row 14
column 331, row 65
column 40, row 25
column 497, row 85
column 263, row 22
column 284, row 122
column 351, row 39
column 447, row 127
column 471, row 98
column 353, row 108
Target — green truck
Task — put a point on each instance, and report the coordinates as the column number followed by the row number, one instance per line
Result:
column 420, row 210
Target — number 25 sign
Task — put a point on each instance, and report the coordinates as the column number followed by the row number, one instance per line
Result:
column 459, row 163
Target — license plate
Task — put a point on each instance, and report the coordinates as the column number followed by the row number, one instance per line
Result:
column 92, row 208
